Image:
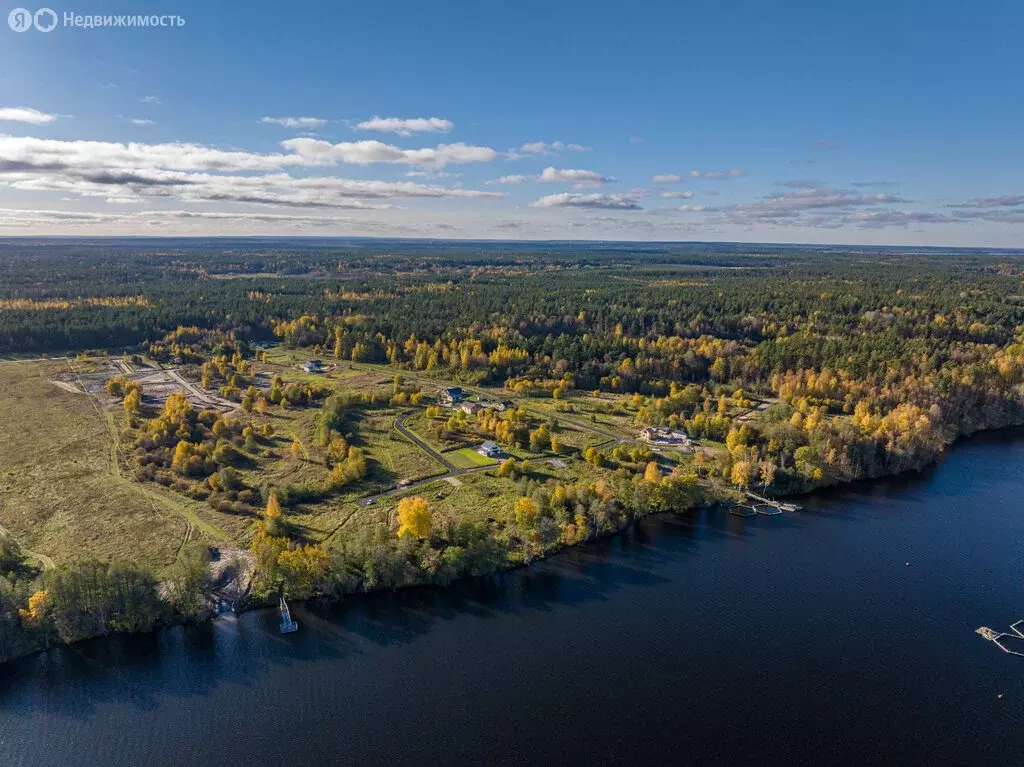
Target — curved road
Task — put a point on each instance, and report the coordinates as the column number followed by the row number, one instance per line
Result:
column 404, row 431
column 453, row 470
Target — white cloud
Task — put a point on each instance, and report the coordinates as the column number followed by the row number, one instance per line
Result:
column 318, row 152
column 294, row 122
column 542, row 147
column 406, row 126
column 570, row 176
column 142, row 121
column 578, row 148
column 568, row 200
column 432, row 174
column 151, row 100
column 191, row 173
column 513, row 179
column 716, row 174
column 793, row 205
column 666, row 178
column 675, row 195
column 691, row 208
column 26, row 115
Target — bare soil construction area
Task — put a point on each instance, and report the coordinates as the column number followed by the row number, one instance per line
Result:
column 157, row 384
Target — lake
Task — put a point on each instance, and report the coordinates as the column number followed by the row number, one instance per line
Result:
column 701, row 637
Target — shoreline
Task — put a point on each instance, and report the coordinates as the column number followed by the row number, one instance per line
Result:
column 996, row 434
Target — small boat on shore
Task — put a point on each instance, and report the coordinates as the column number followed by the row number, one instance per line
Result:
column 287, row 624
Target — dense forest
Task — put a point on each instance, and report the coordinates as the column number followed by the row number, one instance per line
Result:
column 868, row 361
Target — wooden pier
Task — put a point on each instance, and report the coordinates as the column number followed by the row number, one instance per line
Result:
column 1001, row 639
column 778, row 505
column 287, row 624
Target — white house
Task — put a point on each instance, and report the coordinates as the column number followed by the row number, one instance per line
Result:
column 450, row 397
column 662, row 435
column 489, row 449
column 314, row 366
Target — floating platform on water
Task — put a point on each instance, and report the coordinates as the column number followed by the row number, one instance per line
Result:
column 743, row 511
column 779, row 506
column 767, row 510
column 287, row 624
column 1011, row 642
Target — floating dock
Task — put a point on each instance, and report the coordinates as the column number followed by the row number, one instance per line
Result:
column 1012, row 642
column 779, row 506
column 287, row 624
column 743, row 511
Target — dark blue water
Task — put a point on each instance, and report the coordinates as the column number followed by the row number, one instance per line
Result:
column 707, row 637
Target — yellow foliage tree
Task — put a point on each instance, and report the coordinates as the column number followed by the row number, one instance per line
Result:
column 743, row 472
column 296, row 449
column 414, row 517
column 652, row 473
column 36, row 612
column 526, row 512
column 133, row 402
column 273, row 506
column 303, row 569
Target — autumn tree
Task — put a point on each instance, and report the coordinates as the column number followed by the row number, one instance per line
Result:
column 526, row 512
column 414, row 517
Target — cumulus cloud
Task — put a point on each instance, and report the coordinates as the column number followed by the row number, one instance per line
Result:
column 513, row 179
column 319, row 152
column 25, row 115
column 691, row 208
column 405, row 126
column 151, row 100
column 192, row 173
column 572, row 176
column 717, row 174
column 578, row 148
column 294, row 122
column 569, row 200
column 878, row 219
column 142, row 121
column 666, row 178
column 542, row 147
column 675, row 195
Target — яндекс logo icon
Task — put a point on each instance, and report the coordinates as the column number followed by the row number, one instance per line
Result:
column 20, row 19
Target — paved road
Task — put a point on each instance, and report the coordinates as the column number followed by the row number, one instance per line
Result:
column 453, row 470
column 405, row 432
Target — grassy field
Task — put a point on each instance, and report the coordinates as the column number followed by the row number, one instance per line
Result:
column 468, row 458
column 67, row 496
column 63, row 494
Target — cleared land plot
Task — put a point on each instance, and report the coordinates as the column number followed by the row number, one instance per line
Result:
column 64, row 495
column 468, row 458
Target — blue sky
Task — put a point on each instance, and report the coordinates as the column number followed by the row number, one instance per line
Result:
column 870, row 122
